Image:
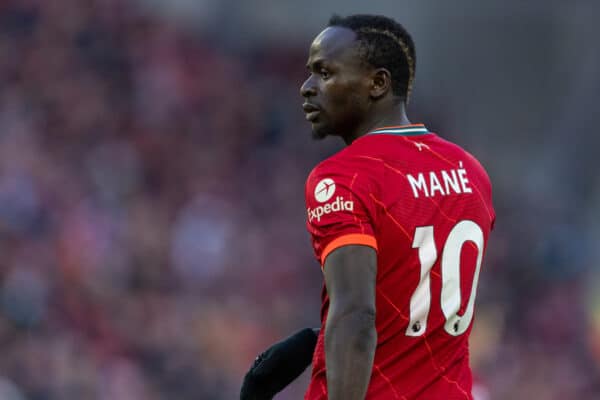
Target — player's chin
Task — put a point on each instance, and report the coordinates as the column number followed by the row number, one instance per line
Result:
column 319, row 131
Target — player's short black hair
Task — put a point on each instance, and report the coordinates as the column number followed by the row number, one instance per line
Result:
column 384, row 43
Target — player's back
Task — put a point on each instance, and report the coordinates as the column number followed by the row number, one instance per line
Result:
column 429, row 204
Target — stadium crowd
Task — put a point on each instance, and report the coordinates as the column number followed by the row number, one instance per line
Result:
column 152, row 235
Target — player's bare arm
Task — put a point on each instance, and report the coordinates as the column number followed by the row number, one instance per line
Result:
column 350, row 335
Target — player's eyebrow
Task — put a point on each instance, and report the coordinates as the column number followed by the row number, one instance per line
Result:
column 315, row 64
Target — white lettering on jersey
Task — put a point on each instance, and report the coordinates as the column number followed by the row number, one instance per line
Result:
column 339, row 204
column 418, row 184
column 441, row 183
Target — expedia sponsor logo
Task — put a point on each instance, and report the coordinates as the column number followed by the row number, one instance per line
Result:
column 339, row 204
column 324, row 190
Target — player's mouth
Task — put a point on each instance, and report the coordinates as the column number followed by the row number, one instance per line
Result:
column 312, row 111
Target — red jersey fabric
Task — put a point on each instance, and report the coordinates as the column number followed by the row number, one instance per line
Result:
column 425, row 205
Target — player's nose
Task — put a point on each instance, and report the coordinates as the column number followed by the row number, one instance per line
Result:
column 308, row 88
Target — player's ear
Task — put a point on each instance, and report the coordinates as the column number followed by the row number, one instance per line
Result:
column 381, row 83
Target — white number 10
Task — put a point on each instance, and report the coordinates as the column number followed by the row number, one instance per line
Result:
column 420, row 302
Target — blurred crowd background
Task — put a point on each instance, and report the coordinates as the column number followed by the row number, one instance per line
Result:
column 152, row 164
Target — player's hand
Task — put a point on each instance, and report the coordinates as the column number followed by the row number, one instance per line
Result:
column 278, row 366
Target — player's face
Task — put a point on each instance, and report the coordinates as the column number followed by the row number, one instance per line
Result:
column 336, row 93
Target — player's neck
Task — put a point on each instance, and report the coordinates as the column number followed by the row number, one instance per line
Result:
column 393, row 116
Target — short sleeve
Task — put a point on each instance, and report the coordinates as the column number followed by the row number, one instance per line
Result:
column 340, row 207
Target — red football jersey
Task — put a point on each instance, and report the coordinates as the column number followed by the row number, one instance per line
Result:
column 425, row 205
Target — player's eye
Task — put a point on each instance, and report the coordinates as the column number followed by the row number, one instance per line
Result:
column 325, row 74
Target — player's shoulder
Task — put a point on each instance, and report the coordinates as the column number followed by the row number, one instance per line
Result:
column 347, row 163
column 472, row 166
column 459, row 152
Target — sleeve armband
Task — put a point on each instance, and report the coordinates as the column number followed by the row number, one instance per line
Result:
column 345, row 240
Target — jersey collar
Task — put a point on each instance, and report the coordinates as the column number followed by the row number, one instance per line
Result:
column 402, row 130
